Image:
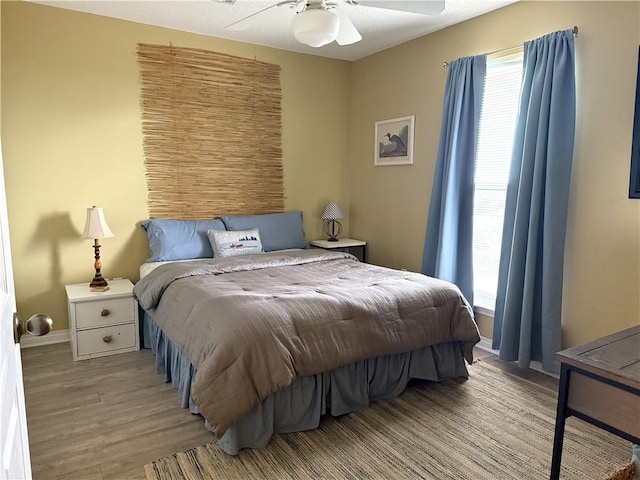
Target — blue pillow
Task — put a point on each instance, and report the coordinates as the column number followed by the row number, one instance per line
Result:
column 278, row 231
column 179, row 239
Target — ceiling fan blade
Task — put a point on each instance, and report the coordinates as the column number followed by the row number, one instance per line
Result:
column 252, row 19
column 348, row 33
column 425, row 7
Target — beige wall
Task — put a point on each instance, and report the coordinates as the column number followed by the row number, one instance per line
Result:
column 0, row 64
column 72, row 139
column 71, row 135
column 389, row 204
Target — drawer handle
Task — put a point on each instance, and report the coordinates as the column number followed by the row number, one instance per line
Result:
column 105, row 312
column 107, row 339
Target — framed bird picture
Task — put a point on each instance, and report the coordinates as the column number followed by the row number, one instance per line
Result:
column 394, row 141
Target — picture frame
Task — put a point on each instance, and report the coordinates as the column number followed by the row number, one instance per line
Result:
column 394, row 141
column 634, row 177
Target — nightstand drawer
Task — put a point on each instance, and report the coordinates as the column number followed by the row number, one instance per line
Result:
column 106, row 339
column 104, row 312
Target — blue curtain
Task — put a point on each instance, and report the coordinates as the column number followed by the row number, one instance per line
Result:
column 527, row 321
column 448, row 241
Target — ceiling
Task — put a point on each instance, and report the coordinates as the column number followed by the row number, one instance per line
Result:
column 380, row 28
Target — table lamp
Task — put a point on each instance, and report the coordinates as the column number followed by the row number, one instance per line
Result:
column 332, row 227
column 96, row 228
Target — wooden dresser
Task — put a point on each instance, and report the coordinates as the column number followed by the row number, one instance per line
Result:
column 600, row 384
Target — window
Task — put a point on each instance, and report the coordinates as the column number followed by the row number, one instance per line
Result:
column 497, row 123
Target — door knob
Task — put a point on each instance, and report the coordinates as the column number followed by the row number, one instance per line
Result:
column 38, row 325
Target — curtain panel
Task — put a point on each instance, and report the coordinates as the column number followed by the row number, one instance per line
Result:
column 527, row 321
column 449, row 237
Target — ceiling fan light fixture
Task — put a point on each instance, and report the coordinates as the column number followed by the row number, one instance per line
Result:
column 315, row 27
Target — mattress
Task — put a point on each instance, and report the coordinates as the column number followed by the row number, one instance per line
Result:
column 148, row 267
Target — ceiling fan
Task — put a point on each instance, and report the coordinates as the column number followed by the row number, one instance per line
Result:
column 319, row 22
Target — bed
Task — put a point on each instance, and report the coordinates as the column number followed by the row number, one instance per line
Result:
column 270, row 340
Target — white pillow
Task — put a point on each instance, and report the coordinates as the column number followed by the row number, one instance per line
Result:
column 227, row 243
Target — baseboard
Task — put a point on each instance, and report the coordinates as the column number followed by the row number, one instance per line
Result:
column 54, row 336
column 485, row 344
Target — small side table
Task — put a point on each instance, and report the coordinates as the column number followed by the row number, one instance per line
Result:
column 102, row 323
column 355, row 247
column 600, row 384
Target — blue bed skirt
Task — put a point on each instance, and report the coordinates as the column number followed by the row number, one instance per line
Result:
column 299, row 406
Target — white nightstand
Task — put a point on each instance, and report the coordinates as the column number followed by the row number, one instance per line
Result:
column 349, row 245
column 102, row 323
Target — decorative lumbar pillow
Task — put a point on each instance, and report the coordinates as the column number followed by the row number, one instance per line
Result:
column 278, row 231
column 231, row 244
column 179, row 239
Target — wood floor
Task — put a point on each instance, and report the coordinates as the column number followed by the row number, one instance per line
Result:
column 105, row 418
column 101, row 418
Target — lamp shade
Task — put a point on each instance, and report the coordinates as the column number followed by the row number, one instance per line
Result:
column 332, row 212
column 315, row 27
column 96, row 226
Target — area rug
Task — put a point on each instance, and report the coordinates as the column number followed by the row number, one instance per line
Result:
column 495, row 425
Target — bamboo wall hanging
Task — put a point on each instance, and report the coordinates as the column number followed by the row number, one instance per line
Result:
column 212, row 133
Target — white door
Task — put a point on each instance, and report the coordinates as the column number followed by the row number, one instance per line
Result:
column 14, row 444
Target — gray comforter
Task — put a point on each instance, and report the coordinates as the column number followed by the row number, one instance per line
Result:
column 252, row 324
